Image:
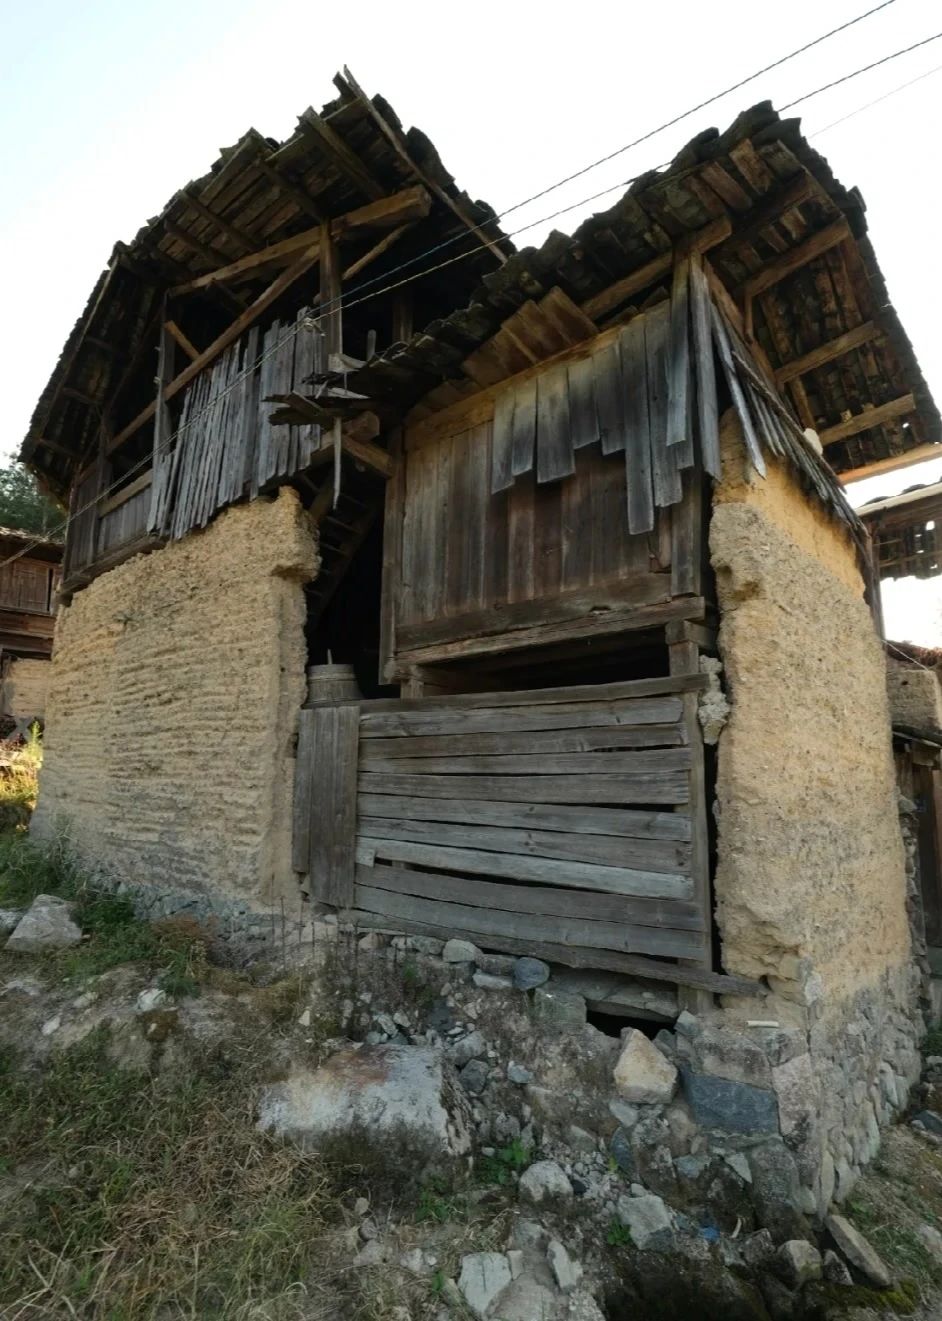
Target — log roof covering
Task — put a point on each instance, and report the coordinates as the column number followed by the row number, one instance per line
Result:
column 258, row 193
column 785, row 244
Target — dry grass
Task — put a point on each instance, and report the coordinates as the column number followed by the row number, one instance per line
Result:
column 19, row 780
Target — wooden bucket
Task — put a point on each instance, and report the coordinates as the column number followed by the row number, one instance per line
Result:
column 331, row 683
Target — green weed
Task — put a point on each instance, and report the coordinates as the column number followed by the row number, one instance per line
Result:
column 618, row 1235
column 505, row 1163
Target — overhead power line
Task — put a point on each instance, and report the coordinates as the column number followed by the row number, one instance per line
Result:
column 358, row 295
column 911, row 82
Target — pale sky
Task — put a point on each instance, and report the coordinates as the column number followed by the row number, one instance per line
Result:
column 108, row 107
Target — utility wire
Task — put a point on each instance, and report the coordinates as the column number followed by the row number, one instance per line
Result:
column 348, row 300
column 870, row 104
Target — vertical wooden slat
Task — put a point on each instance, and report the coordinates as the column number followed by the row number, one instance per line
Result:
column 390, row 600
column 502, row 475
column 524, row 427
column 694, row 1000
column 664, row 456
column 708, row 428
column 583, row 419
column 336, row 732
column 637, row 429
column 609, row 397
column 303, row 793
column 554, row 458
column 679, row 363
column 687, row 547
column 520, row 538
column 721, row 338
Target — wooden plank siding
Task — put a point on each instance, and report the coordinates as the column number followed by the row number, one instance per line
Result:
column 558, row 818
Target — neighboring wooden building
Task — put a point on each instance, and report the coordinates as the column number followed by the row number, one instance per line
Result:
column 29, row 583
column 532, row 498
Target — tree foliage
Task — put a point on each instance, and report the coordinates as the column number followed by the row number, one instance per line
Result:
column 22, row 504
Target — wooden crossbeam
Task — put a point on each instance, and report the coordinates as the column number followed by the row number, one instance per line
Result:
column 306, row 205
column 800, row 189
column 350, row 85
column 343, row 156
column 701, row 240
column 835, row 348
column 870, row 417
column 406, row 206
column 793, row 260
column 918, row 454
column 307, row 259
column 185, row 344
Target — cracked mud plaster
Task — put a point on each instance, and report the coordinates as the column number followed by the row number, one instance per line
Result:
column 810, row 873
column 173, row 703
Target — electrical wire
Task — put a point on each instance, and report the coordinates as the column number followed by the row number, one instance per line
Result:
column 348, row 300
column 870, row 104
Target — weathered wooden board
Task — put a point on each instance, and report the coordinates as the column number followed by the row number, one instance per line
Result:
column 549, row 900
column 640, row 729
column 637, row 428
column 303, row 793
column 484, row 922
column 464, row 743
column 554, row 456
column 651, row 788
column 607, row 850
column 333, row 840
column 545, row 871
column 624, row 821
column 610, row 762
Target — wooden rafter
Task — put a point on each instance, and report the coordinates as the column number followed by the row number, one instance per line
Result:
column 238, row 236
column 346, row 160
column 191, row 351
column 919, row 454
column 305, row 204
column 408, row 205
column 793, row 260
column 349, row 85
column 870, row 417
column 835, row 348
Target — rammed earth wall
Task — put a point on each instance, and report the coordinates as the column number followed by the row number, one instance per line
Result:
column 176, row 684
column 810, row 882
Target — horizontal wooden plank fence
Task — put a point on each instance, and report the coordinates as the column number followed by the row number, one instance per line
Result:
column 556, row 822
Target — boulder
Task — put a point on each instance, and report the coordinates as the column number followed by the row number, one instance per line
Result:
column 798, row 1261
column 649, row 1221
column 530, row 973
column 642, row 1075
column 544, row 1181
column 733, row 1107
column 854, row 1247
column 563, row 1010
column 566, row 1272
column 483, row 1276
column 46, row 924
column 775, row 1191
column 382, row 1092
column 460, row 951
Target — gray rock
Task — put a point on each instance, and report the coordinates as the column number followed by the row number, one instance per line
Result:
column 931, row 1240
column 153, row 998
column 649, row 1221
column 563, row 1010
column 583, row 1307
column 778, row 1298
column 487, row 981
column 627, row 1115
column 518, row 1075
column 798, row 1261
column 758, row 1250
column 473, row 1077
column 483, row 1276
column 530, row 973
column 688, row 1025
column 426, row 945
column 528, row 1234
column 500, row 965
column 580, row 1140
column 506, row 1128
column 526, row 1299
column 834, row 1269
column 545, row 1181
column 8, row 919
column 460, row 951
column 929, row 1120
column 371, row 1254
column 470, row 1047
column 692, row 1171
column 775, row 1190
column 566, row 1272
column 796, row 1086
column 414, row 1261
column 622, row 1152
column 46, row 924
column 386, row 1091
column 854, row 1247
column 732, row 1107
column 642, row 1075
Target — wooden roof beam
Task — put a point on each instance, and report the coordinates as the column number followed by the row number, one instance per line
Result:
column 701, row 240
column 191, row 351
column 870, row 417
column 346, row 160
column 800, row 189
column 793, row 260
column 285, row 280
column 301, row 200
column 233, row 232
column 824, row 353
column 350, row 85
column 406, row 206
column 918, row 454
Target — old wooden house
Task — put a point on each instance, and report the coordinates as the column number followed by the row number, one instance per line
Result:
column 574, row 517
column 29, row 584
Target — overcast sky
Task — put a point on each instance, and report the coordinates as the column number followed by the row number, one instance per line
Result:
column 108, row 107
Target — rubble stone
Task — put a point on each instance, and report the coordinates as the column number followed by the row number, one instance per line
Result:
column 648, row 1219
column 642, row 1075
column 855, row 1248
column 564, row 1010
column 460, row 951
column 545, row 1181
column 732, row 1107
column 566, row 1272
column 530, row 973
column 46, row 924
column 798, row 1262
column 483, row 1276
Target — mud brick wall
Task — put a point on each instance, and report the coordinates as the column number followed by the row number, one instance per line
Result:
column 24, row 687
column 915, row 695
column 173, row 703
